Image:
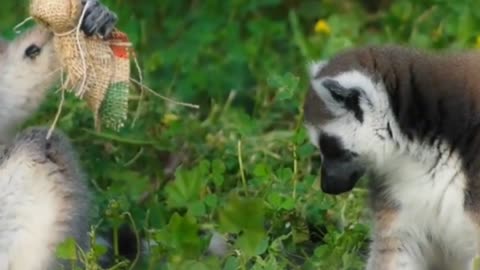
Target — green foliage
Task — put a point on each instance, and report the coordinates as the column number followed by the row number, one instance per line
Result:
column 245, row 168
column 67, row 250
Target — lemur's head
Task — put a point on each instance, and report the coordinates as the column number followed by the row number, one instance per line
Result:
column 30, row 61
column 346, row 111
column 35, row 49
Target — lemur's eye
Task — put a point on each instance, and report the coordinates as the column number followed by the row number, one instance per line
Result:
column 32, row 51
column 349, row 97
column 339, row 93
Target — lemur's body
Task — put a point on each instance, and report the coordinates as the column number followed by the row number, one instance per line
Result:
column 412, row 122
column 44, row 197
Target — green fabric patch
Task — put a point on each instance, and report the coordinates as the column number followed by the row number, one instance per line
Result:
column 113, row 112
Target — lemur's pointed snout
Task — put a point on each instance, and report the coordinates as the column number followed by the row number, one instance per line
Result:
column 339, row 177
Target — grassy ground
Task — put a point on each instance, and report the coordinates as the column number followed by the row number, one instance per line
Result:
column 244, row 167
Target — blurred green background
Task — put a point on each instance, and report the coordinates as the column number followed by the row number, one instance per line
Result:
column 244, row 167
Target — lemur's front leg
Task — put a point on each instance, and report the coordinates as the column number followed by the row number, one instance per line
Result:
column 390, row 251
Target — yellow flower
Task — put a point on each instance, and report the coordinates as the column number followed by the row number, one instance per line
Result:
column 169, row 118
column 322, row 27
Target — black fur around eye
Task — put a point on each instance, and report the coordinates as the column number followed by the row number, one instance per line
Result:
column 352, row 103
column 331, row 147
column 336, row 90
column 349, row 97
column 32, row 51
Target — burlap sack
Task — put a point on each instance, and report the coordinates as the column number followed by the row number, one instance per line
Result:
column 100, row 74
column 93, row 70
column 58, row 15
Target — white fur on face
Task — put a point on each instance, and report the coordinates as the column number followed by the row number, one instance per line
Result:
column 313, row 134
column 370, row 138
column 24, row 82
column 315, row 67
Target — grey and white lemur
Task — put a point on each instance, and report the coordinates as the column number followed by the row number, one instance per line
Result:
column 410, row 120
column 44, row 196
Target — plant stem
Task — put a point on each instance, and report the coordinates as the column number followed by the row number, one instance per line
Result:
column 240, row 163
column 115, row 241
column 137, row 238
column 295, row 171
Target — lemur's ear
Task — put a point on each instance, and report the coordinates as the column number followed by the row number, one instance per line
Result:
column 314, row 67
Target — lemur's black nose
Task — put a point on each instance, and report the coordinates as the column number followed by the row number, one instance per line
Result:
column 336, row 184
column 340, row 176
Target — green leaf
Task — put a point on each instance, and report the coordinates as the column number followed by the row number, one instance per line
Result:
column 275, row 199
column 203, row 167
column 286, row 85
column 218, row 167
column 260, row 170
column 466, row 26
column 300, row 136
column 232, row 263
column 197, row 208
column 284, row 174
column 241, row 213
column 187, row 187
column 305, row 151
column 288, row 203
column 181, row 235
column 218, row 179
column 336, row 44
column 158, row 215
column 100, row 250
column 252, row 243
column 192, row 265
column 211, row 201
column 67, row 250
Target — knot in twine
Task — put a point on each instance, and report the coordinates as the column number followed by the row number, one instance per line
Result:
column 96, row 70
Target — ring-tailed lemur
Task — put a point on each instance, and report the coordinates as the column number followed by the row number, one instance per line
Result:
column 44, row 197
column 410, row 121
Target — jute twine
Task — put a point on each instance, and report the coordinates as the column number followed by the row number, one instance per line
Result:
column 97, row 70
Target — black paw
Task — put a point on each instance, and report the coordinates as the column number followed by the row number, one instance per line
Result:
column 98, row 19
